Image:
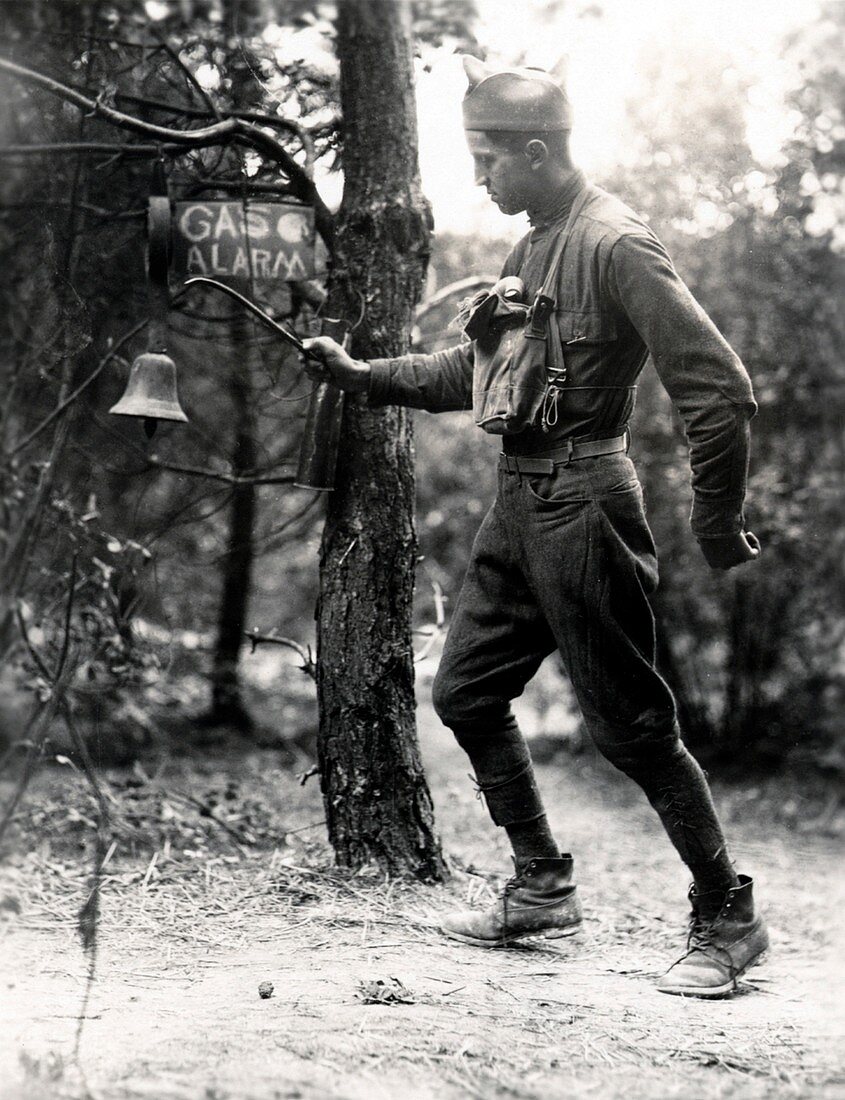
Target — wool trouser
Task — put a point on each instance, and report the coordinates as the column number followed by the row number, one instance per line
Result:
column 566, row 561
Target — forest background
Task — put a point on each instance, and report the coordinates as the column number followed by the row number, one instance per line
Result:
column 177, row 546
column 154, row 763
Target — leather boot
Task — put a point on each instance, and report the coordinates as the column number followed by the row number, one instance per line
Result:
column 539, row 900
column 725, row 939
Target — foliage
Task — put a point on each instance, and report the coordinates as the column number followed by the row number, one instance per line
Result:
column 74, row 232
column 204, row 57
column 756, row 657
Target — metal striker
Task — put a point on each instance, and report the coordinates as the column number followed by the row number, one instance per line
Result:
column 321, row 436
column 265, row 318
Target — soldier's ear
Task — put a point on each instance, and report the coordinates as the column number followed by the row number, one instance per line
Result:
column 560, row 71
column 476, row 70
column 536, row 153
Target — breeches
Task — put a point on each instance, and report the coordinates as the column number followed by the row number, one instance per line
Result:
column 567, row 562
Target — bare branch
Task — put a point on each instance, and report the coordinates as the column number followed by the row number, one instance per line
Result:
column 71, row 148
column 462, row 286
column 260, row 117
column 308, row 666
column 234, row 130
column 206, row 135
column 433, row 632
column 85, row 207
column 215, row 475
column 71, row 594
column 39, row 725
column 240, row 839
column 33, row 652
column 189, row 76
column 40, row 721
column 60, row 408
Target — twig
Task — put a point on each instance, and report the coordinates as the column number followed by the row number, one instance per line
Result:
column 270, row 539
column 74, row 148
column 263, row 119
column 217, row 475
column 304, row 828
column 60, row 664
column 148, row 874
column 33, row 652
column 38, row 723
column 347, row 551
column 40, row 720
column 88, row 918
column 228, row 130
column 440, row 618
column 240, row 840
column 85, row 207
column 308, row 664
column 60, row 408
column 189, row 76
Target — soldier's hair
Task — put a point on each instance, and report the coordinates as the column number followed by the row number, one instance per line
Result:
column 556, row 141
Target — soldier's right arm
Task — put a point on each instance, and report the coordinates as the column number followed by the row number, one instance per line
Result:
column 439, row 382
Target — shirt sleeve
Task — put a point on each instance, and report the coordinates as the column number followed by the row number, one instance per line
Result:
column 439, row 382
column 702, row 374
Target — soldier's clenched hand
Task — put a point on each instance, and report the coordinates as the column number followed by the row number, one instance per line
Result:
column 726, row 551
column 336, row 366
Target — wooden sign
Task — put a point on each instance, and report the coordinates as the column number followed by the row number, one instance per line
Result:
column 263, row 241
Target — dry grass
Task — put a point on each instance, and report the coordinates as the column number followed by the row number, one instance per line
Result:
column 198, row 910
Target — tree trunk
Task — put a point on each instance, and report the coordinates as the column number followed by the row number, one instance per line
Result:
column 227, row 706
column 378, row 806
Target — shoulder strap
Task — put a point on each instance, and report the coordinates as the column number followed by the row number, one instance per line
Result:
column 549, row 287
column 544, row 303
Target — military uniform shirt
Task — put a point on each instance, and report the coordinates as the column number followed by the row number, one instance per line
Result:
column 619, row 300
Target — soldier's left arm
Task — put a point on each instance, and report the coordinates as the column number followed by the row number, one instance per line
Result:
column 707, row 383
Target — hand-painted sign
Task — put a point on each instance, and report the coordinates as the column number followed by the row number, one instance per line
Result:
column 273, row 241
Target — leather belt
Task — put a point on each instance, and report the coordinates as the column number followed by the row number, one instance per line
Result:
column 571, row 451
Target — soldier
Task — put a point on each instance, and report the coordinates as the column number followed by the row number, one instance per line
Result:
column 565, row 559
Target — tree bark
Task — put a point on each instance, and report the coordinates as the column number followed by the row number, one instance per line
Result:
column 378, row 806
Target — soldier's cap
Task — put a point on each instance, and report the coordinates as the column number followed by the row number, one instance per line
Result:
column 520, row 100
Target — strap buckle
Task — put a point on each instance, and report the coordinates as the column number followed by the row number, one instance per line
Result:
column 541, row 311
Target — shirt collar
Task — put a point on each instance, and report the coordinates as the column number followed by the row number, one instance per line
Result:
column 556, row 206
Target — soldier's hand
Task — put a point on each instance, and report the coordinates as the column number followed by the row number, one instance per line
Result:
column 336, row 366
column 729, row 550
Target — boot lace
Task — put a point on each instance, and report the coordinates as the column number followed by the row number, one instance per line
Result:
column 701, row 937
column 700, row 934
column 512, row 884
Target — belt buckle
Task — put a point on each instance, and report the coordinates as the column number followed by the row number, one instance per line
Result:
column 570, row 447
column 511, row 463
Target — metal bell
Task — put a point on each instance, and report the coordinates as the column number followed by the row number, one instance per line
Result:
column 151, row 390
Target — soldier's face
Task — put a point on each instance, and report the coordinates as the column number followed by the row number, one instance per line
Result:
column 507, row 175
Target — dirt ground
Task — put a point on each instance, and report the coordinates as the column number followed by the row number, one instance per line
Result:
column 193, row 923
